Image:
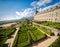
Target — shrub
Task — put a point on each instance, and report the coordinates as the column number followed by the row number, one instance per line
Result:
column 56, row 43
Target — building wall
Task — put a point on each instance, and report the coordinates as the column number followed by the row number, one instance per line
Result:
column 53, row 16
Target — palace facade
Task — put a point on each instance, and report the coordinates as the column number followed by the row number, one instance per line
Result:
column 50, row 14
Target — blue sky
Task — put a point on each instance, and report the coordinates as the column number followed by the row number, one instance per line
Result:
column 16, row 9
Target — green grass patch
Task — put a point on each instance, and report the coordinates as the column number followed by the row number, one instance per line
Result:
column 23, row 37
column 28, row 35
column 56, row 43
column 51, row 24
column 36, row 34
column 48, row 31
column 4, row 35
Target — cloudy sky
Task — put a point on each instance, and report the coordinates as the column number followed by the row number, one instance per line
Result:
column 17, row 9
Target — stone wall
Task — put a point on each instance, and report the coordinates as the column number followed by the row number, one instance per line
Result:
column 53, row 15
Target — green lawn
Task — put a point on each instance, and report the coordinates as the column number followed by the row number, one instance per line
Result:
column 56, row 43
column 4, row 35
column 23, row 38
column 51, row 24
column 36, row 34
column 27, row 35
column 48, row 31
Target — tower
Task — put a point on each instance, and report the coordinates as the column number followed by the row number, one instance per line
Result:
column 35, row 12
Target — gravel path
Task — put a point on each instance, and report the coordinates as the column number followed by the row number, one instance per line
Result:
column 48, row 41
column 52, row 29
column 45, row 43
column 43, row 32
column 11, row 40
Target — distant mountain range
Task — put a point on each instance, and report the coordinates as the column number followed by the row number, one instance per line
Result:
column 17, row 20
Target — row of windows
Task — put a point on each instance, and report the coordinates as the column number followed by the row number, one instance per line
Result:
column 47, row 19
column 49, row 10
column 49, row 14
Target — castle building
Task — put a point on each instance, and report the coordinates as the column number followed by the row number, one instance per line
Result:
column 49, row 14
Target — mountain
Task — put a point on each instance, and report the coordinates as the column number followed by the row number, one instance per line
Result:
column 17, row 20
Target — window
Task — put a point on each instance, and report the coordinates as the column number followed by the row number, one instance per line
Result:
column 55, row 19
column 56, row 14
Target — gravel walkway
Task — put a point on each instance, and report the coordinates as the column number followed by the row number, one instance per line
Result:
column 11, row 40
column 48, row 41
column 45, row 43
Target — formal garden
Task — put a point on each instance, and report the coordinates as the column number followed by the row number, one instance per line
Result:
column 48, row 31
column 48, row 23
column 5, row 34
column 28, row 35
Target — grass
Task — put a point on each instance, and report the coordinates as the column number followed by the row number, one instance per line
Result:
column 56, row 43
column 36, row 34
column 48, row 31
column 51, row 24
column 23, row 38
column 4, row 35
column 27, row 35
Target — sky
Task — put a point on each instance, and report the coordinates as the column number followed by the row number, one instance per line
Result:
column 17, row 9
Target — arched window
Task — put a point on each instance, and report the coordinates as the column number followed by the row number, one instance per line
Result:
column 56, row 14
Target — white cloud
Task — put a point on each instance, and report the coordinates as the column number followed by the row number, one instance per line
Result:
column 40, row 3
column 26, row 13
column 17, row 13
column 29, row 11
column 40, row 9
column 43, row 2
column 34, row 4
column 51, row 6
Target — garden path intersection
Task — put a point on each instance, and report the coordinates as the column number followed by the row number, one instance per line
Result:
column 48, row 41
